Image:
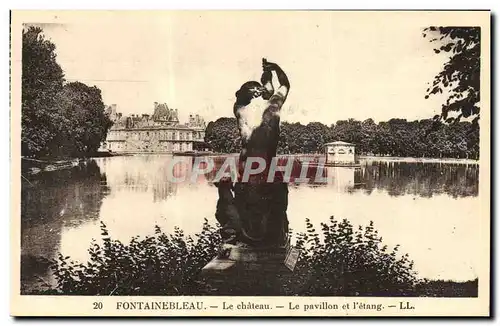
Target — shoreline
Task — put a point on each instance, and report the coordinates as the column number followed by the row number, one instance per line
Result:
column 360, row 157
column 40, row 280
column 34, row 166
column 418, row 159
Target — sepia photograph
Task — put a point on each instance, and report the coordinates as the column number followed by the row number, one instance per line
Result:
column 240, row 163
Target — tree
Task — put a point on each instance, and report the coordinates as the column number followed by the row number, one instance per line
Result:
column 460, row 74
column 223, row 136
column 57, row 120
column 317, row 134
column 294, row 137
column 368, row 143
column 348, row 131
column 42, row 80
column 83, row 108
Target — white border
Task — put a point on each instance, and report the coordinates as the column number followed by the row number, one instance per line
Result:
column 189, row 4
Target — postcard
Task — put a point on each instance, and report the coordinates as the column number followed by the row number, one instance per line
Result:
column 250, row 163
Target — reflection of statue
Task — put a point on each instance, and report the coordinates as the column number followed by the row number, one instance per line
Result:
column 256, row 214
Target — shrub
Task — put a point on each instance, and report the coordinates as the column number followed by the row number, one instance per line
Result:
column 352, row 262
column 450, row 289
column 159, row 264
column 344, row 262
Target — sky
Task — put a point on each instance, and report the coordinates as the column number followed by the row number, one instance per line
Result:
column 340, row 65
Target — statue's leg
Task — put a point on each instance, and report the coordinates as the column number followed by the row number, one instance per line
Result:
column 262, row 209
column 252, row 212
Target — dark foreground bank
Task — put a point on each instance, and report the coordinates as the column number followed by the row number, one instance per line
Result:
column 343, row 261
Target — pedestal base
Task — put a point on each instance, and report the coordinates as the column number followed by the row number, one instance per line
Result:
column 250, row 271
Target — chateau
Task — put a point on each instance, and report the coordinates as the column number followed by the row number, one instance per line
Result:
column 160, row 132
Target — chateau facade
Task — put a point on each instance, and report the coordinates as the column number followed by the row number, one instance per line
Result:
column 160, row 132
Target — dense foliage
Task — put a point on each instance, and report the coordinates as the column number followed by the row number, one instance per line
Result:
column 223, row 136
column 87, row 124
column 58, row 119
column 341, row 261
column 396, row 137
column 461, row 73
column 353, row 262
column 42, row 80
column 159, row 264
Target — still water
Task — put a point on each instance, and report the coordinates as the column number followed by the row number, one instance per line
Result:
column 430, row 209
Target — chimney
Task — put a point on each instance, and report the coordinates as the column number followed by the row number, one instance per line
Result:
column 156, row 105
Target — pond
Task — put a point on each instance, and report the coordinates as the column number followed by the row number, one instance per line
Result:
column 430, row 209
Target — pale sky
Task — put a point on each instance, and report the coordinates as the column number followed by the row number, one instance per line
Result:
column 340, row 65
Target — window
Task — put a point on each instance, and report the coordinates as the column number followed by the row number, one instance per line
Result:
column 341, row 151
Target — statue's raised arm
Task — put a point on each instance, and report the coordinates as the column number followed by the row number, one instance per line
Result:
column 276, row 100
column 257, row 111
column 284, row 86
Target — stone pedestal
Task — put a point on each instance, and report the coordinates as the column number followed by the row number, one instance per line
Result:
column 250, row 271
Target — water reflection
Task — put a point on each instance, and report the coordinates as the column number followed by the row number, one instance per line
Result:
column 61, row 211
column 52, row 203
column 396, row 178
column 420, row 179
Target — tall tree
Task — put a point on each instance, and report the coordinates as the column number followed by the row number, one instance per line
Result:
column 42, row 80
column 460, row 74
column 58, row 120
column 83, row 108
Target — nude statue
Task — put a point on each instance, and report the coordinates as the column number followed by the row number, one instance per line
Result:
column 253, row 212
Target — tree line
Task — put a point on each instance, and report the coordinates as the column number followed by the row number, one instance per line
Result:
column 62, row 119
column 445, row 135
column 396, row 137
column 58, row 119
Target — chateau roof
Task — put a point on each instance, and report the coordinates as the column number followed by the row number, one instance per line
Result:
column 338, row 142
column 163, row 112
column 163, row 117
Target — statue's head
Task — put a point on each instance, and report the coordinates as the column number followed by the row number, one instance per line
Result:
column 249, row 91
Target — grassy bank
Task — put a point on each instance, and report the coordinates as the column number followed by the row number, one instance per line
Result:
column 338, row 259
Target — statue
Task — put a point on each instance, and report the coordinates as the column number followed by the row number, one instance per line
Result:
column 256, row 214
column 252, row 213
